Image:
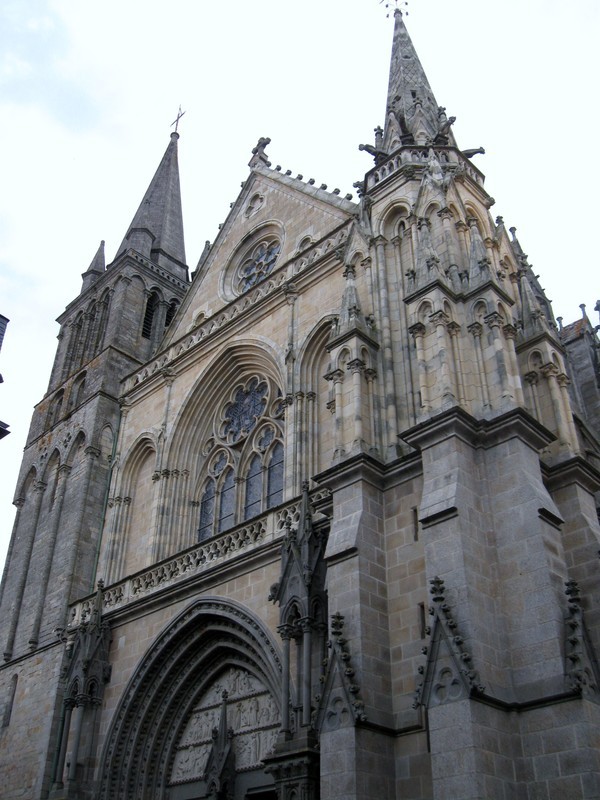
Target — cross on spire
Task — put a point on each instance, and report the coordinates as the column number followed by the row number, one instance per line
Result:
column 180, row 114
column 388, row 5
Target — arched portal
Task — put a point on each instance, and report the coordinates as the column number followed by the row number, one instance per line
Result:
column 160, row 739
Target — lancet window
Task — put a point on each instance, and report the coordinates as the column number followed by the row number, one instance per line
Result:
column 245, row 459
column 149, row 314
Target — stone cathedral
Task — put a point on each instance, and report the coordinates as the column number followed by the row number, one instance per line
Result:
column 318, row 521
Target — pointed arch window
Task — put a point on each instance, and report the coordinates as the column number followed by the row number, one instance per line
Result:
column 149, row 314
column 77, row 391
column 246, row 458
column 102, row 322
column 207, row 510
column 171, row 310
column 54, row 411
column 227, row 502
column 254, row 482
column 275, row 476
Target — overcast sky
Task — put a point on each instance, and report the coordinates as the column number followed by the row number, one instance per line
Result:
column 88, row 90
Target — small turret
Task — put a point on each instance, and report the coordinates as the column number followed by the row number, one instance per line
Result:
column 95, row 270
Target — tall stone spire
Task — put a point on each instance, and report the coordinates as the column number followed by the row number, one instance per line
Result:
column 412, row 114
column 156, row 230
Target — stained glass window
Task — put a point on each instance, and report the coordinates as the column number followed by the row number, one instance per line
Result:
column 207, row 511
column 227, row 502
column 259, row 264
column 248, row 406
column 251, row 438
column 254, row 485
column 275, row 476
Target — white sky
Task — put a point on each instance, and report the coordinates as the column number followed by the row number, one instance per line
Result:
column 88, row 90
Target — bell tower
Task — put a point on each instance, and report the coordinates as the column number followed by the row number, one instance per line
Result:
column 114, row 325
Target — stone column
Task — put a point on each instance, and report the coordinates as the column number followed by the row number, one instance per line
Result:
column 366, row 263
column 63, row 474
column 299, row 441
column 462, row 229
column 370, row 375
column 19, row 503
column 440, row 319
column 417, row 331
column 532, row 381
column 30, row 536
column 476, row 329
column 285, row 631
column 356, row 367
column 63, row 739
column 305, row 625
column 453, row 329
column 337, row 377
column 80, row 705
column 309, row 466
column 120, row 335
column 388, row 356
column 162, row 539
column 510, row 334
column 551, row 373
column 494, row 321
column 563, row 382
column 91, row 455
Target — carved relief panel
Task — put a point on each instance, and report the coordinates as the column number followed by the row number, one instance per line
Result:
column 251, row 714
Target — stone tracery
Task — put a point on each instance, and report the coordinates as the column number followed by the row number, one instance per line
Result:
column 245, row 458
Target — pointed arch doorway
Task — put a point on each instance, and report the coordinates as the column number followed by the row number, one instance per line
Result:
column 200, row 713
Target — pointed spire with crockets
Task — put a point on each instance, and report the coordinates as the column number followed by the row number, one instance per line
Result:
column 412, row 115
column 156, row 231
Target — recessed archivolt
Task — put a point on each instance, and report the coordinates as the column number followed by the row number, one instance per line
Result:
column 195, row 422
column 28, row 484
column 424, row 311
column 356, row 258
column 143, row 448
column 311, row 355
column 207, row 638
column 431, row 210
column 75, row 450
column 482, row 224
column 52, row 464
column 343, row 358
column 392, row 216
column 479, row 310
column 535, row 360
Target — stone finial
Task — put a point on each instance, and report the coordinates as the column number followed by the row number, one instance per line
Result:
column 259, row 155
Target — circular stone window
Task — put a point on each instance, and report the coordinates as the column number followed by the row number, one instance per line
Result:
column 257, row 263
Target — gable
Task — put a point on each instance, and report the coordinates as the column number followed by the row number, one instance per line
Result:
column 274, row 220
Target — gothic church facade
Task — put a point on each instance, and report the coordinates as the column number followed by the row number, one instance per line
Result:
column 319, row 522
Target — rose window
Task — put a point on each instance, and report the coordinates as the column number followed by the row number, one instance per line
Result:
column 258, row 264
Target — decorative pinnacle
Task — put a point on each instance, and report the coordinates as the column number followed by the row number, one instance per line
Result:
column 388, row 6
